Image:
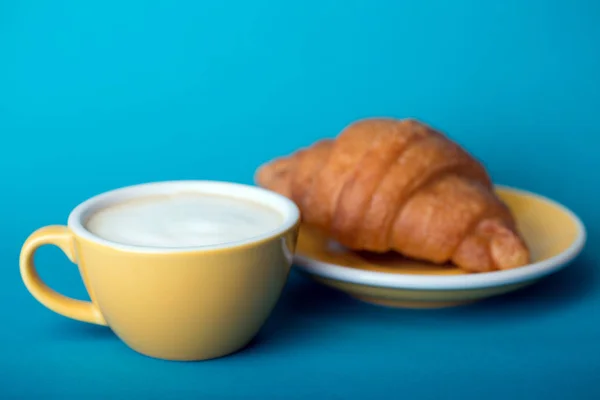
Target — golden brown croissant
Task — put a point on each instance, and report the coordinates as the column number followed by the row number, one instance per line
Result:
column 398, row 185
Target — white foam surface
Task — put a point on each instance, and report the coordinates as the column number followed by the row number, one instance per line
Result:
column 183, row 220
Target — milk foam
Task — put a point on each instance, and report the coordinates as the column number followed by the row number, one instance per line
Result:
column 183, row 220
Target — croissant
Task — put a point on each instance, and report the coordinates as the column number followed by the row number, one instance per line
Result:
column 385, row 184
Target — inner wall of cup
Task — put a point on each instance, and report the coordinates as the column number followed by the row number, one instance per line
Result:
column 278, row 203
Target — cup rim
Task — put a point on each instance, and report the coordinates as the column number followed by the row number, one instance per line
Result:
column 286, row 207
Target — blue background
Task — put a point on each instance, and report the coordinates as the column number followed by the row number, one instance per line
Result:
column 98, row 95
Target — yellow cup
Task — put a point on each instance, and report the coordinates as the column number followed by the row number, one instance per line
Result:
column 176, row 304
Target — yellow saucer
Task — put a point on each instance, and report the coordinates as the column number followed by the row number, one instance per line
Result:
column 554, row 234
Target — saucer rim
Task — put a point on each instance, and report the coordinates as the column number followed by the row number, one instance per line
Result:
column 528, row 272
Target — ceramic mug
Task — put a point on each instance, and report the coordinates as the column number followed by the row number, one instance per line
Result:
column 190, row 304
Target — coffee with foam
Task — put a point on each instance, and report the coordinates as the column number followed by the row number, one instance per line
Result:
column 183, row 220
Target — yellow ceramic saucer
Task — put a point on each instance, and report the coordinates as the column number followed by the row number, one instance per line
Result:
column 554, row 234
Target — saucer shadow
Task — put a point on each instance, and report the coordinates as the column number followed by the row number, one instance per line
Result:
column 307, row 308
column 562, row 289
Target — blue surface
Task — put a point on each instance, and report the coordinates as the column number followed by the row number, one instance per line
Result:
column 95, row 96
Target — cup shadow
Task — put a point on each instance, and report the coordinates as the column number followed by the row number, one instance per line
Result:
column 307, row 307
column 71, row 330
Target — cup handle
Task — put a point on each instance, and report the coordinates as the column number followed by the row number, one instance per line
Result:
column 61, row 237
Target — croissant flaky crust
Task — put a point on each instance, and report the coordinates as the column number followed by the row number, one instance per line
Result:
column 385, row 184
